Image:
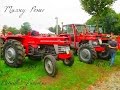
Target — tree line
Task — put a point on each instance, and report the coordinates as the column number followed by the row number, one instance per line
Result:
column 100, row 10
column 102, row 15
column 24, row 29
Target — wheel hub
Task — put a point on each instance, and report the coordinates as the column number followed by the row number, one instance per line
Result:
column 49, row 66
column 85, row 55
column 10, row 54
column 66, row 61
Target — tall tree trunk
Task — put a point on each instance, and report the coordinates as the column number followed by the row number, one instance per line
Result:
column 97, row 23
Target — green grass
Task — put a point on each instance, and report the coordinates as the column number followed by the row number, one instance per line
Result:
column 32, row 76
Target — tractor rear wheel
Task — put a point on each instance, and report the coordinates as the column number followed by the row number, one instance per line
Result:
column 86, row 53
column 69, row 62
column 13, row 53
column 1, row 47
column 104, row 55
column 50, row 65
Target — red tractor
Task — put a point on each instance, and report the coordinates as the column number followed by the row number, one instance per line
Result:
column 36, row 47
column 88, row 45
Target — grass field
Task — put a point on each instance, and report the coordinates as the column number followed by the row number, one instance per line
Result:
column 32, row 76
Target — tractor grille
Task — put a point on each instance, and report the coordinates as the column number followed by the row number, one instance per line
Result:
column 60, row 49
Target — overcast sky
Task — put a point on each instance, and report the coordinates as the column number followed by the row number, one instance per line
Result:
column 68, row 11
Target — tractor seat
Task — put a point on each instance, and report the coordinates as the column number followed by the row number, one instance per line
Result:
column 34, row 33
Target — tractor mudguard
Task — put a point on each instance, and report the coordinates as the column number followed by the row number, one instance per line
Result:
column 64, row 56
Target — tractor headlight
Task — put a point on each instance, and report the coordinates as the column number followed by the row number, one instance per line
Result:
column 67, row 50
column 95, row 43
column 100, row 41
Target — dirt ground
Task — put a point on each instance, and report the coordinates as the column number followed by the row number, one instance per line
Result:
column 112, row 82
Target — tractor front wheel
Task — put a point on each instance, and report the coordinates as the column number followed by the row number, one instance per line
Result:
column 50, row 65
column 104, row 55
column 86, row 53
column 68, row 62
column 13, row 53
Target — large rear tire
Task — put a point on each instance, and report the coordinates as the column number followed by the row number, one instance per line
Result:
column 50, row 65
column 86, row 53
column 104, row 55
column 1, row 48
column 13, row 53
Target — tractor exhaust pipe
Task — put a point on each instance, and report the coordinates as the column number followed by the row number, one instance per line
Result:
column 56, row 25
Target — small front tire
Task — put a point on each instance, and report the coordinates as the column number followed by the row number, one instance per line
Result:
column 50, row 65
column 104, row 55
column 68, row 62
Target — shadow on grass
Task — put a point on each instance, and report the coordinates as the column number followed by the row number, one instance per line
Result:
column 102, row 63
column 32, row 63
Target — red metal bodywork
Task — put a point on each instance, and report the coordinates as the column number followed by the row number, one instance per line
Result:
column 79, row 37
column 65, row 56
column 99, row 48
column 36, row 41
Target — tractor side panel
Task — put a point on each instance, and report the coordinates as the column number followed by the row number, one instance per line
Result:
column 20, row 39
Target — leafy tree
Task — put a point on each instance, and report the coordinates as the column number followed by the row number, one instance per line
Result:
column 13, row 30
column 53, row 29
column 117, row 25
column 7, row 29
column 109, row 20
column 96, row 7
column 25, row 28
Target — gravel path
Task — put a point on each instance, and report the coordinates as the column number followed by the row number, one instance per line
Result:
column 111, row 83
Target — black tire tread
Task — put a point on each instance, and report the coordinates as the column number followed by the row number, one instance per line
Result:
column 92, row 50
column 52, row 58
column 20, row 52
column 1, row 47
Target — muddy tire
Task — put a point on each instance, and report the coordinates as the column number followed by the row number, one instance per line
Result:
column 13, row 53
column 104, row 55
column 86, row 53
column 50, row 65
column 69, row 62
column 1, row 48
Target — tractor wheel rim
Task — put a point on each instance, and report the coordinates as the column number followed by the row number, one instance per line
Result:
column 66, row 61
column 10, row 54
column 48, row 66
column 85, row 55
